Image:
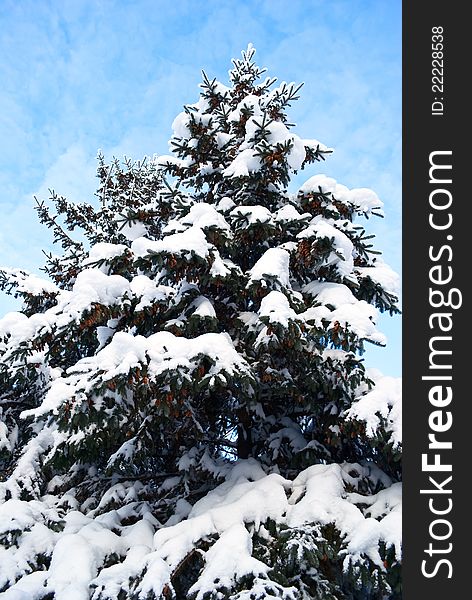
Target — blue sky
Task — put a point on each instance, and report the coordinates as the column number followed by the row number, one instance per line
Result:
column 82, row 75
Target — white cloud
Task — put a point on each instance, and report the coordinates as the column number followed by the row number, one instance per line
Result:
column 71, row 175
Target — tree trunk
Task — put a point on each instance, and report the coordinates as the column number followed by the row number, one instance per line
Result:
column 244, row 443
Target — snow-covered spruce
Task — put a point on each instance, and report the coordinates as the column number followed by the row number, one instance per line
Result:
column 184, row 412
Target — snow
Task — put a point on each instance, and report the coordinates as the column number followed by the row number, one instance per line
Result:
column 167, row 351
column 227, row 516
column 334, row 355
column 321, row 492
column 14, row 325
column 222, row 511
column 122, row 354
column 243, row 164
column 316, row 144
column 36, row 539
column 250, row 319
column 297, row 153
column 228, row 560
column 292, row 432
column 124, row 493
column 363, row 200
column 329, row 293
column 360, row 318
column 30, row 587
column 78, row 553
column 221, row 88
column 222, row 267
column 207, row 169
column 204, row 215
column 223, row 138
column 249, row 497
column 160, row 352
column 132, row 231
column 111, row 580
column 225, row 204
column 279, row 134
column 250, row 101
column 104, row 251
column 274, row 262
column 24, row 476
column 145, row 288
column 19, row 515
column 383, row 401
column 253, row 214
column 382, row 274
column 289, row 213
column 180, row 125
column 192, row 240
column 342, row 254
column 385, row 505
column 93, row 286
column 276, row 307
column 5, row 441
column 203, row 307
column 339, row 307
column 27, row 283
column 73, row 565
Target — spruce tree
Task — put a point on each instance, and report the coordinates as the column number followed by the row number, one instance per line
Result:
column 184, row 407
